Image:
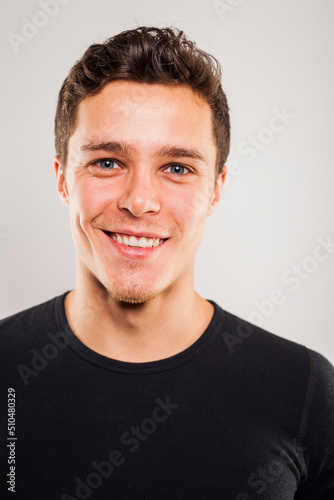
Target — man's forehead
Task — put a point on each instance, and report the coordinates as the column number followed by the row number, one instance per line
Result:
column 125, row 98
column 117, row 125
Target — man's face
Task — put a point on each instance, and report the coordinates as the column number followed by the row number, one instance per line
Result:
column 141, row 160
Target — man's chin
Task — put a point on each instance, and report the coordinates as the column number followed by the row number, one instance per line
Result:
column 133, row 300
column 131, row 297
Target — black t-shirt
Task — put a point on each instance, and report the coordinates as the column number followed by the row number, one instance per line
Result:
column 240, row 414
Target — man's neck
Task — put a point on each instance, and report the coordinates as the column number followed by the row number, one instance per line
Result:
column 137, row 333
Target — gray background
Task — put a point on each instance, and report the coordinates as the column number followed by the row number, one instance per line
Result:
column 276, row 205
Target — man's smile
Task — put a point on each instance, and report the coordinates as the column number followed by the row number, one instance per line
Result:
column 130, row 245
column 135, row 241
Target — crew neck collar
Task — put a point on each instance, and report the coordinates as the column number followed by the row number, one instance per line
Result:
column 128, row 367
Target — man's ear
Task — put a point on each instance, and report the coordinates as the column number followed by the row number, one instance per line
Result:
column 61, row 181
column 217, row 191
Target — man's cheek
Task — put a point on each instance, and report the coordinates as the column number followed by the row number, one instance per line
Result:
column 92, row 201
column 182, row 206
column 198, row 201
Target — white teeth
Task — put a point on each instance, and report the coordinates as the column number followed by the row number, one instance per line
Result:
column 142, row 242
column 132, row 241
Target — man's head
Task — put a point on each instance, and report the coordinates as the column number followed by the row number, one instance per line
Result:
column 140, row 158
column 144, row 55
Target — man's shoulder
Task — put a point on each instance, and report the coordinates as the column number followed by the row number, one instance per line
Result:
column 239, row 331
column 26, row 315
column 28, row 322
column 284, row 367
column 247, row 340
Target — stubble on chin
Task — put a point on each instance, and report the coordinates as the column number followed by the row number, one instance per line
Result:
column 135, row 294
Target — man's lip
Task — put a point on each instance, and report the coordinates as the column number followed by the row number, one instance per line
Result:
column 137, row 234
column 136, row 252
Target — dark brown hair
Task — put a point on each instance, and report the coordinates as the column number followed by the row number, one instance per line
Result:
column 144, row 55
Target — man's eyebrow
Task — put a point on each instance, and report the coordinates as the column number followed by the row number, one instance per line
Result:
column 110, row 146
column 122, row 147
column 181, row 152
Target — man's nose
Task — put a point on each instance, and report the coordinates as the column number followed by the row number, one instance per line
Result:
column 140, row 194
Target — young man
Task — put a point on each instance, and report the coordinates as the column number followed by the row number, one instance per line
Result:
column 132, row 385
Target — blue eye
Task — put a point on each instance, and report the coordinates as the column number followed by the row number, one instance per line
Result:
column 106, row 164
column 178, row 167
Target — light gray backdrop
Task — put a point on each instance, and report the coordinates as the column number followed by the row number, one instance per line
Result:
column 267, row 253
